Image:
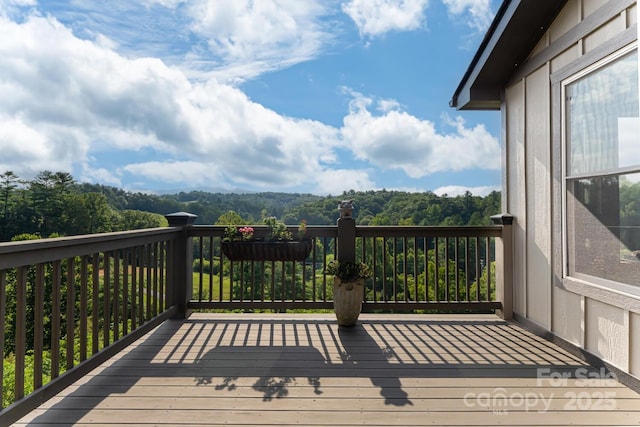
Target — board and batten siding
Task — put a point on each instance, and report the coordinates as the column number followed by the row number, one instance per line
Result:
column 532, row 129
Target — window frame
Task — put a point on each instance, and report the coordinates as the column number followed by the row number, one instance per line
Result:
column 613, row 292
column 599, row 65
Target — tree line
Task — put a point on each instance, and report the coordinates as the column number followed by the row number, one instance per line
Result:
column 54, row 204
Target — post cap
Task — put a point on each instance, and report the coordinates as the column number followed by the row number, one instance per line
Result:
column 502, row 219
column 179, row 219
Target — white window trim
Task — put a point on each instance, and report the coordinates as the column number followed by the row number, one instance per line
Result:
column 615, row 293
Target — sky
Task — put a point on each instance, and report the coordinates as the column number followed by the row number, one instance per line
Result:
column 305, row 96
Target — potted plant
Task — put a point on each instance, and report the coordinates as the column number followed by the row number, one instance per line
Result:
column 241, row 244
column 348, row 289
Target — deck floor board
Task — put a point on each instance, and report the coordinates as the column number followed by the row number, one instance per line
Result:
column 257, row 370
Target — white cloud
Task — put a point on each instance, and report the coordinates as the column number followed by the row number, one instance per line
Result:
column 26, row 151
column 398, row 140
column 376, row 17
column 251, row 37
column 229, row 40
column 338, row 180
column 169, row 4
column 66, row 99
column 459, row 190
column 479, row 13
column 91, row 173
column 21, row 3
column 15, row 7
column 176, row 172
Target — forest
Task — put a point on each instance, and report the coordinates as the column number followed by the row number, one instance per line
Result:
column 54, row 204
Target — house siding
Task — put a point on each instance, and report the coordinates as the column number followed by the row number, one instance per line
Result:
column 537, row 158
column 516, row 189
column 533, row 187
column 634, row 345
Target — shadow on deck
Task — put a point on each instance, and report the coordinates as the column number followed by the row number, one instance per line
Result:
column 305, row 370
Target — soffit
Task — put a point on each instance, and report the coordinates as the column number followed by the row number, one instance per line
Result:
column 514, row 33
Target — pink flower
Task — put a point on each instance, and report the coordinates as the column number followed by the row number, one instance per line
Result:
column 247, row 232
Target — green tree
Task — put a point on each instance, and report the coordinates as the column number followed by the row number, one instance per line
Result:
column 8, row 184
column 230, row 218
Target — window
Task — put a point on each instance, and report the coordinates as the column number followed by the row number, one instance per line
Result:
column 602, row 173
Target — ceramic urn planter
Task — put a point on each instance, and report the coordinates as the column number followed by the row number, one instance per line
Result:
column 347, row 300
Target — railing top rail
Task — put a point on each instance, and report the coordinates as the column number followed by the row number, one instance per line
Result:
column 428, row 231
column 29, row 252
column 367, row 231
column 262, row 230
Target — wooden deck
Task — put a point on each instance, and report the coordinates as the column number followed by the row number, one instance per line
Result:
column 250, row 370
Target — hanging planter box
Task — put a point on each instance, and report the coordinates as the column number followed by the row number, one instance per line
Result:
column 255, row 250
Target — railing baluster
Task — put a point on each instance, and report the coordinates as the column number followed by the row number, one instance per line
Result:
column 38, row 326
column 156, row 284
column 211, row 267
column 116, row 295
column 55, row 319
column 263, row 282
column 384, row 268
column 83, row 307
column 312, row 271
column 221, row 282
column 415, row 270
column 148, row 281
column 141, row 286
column 283, row 283
column 447, row 291
column 95, row 293
column 405, row 265
column 374, row 267
column 70, row 312
column 163, row 276
column 467, row 253
column 488, row 252
column 456, row 268
column 21, row 331
column 395, row 269
column 425, row 241
column 135, row 254
column 241, row 298
column 125, row 291
column 106, row 300
column 436, row 273
column 200, row 267
column 324, row 268
column 252, row 268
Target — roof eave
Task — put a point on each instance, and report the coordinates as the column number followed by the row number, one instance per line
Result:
column 514, row 32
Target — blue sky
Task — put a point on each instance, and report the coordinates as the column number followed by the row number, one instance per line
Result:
column 312, row 96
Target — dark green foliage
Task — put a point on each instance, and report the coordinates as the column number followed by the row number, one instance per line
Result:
column 52, row 204
column 348, row 271
column 55, row 203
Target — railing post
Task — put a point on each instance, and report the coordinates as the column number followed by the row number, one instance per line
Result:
column 182, row 263
column 504, row 265
column 346, row 233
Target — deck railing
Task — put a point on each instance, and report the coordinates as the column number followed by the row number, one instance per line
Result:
column 68, row 304
column 414, row 268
